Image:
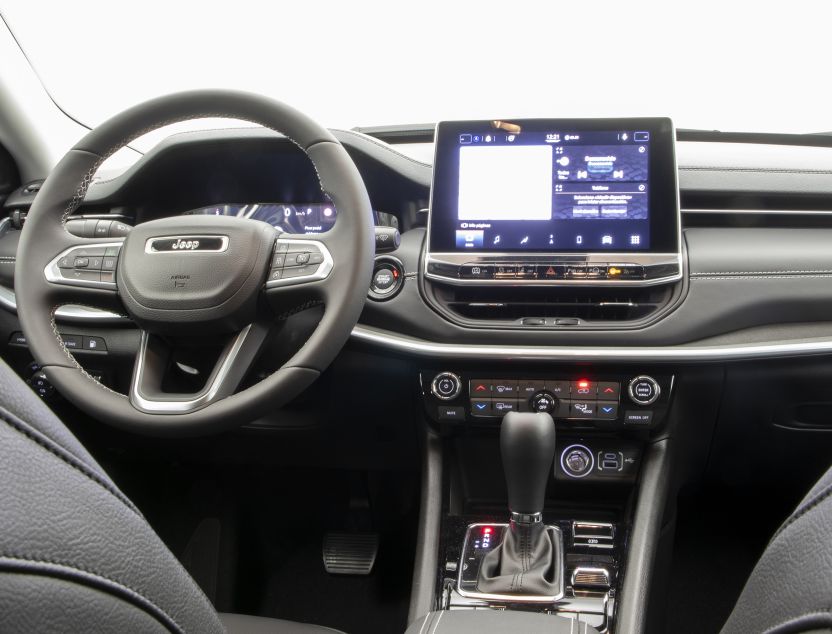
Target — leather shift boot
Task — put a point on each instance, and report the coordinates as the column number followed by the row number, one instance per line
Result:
column 522, row 564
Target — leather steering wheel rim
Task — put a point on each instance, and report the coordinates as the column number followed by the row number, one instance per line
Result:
column 45, row 235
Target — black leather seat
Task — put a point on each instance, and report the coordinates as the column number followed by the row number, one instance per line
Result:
column 75, row 554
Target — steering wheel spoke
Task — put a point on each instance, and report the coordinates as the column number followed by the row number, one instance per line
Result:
column 157, row 358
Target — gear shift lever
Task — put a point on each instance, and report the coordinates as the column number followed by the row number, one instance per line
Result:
column 528, row 561
column 527, row 443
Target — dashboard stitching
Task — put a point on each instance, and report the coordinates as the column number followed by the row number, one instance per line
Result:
column 74, row 567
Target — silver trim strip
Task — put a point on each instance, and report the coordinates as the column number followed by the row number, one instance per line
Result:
column 148, row 245
column 457, row 351
column 558, row 259
column 182, row 406
column 69, row 312
column 53, row 273
column 322, row 272
column 592, row 571
column 773, row 212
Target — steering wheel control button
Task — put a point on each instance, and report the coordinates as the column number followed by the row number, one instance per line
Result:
column 298, row 261
column 638, row 419
column 299, row 271
column 577, row 461
column 82, row 266
column 446, row 386
column 644, row 390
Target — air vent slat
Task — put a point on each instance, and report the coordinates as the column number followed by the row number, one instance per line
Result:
column 588, row 305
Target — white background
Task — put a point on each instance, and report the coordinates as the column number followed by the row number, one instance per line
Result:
column 752, row 66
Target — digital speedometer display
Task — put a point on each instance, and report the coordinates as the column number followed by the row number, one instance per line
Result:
column 306, row 218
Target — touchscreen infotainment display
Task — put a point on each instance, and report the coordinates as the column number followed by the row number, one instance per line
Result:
column 555, row 186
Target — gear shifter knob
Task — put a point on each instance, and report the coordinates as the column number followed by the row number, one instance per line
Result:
column 527, row 443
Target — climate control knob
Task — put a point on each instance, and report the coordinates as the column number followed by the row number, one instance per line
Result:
column 543, row 402
column 446, row 386
column 644, row 390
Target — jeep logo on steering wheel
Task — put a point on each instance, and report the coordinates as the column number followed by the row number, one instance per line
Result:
column 187, row 244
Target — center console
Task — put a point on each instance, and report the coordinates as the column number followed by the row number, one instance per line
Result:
column 549, row 224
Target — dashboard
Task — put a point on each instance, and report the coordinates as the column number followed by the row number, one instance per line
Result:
column 304, row 218
column 754, row 250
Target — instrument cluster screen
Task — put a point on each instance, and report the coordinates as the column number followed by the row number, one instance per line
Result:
column 308, row 218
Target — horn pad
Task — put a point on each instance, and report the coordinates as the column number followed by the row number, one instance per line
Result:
column 194, row 272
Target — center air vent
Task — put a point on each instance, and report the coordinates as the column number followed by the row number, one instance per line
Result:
column 550, row 307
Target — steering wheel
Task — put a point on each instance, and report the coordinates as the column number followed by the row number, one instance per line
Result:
column 206, row 275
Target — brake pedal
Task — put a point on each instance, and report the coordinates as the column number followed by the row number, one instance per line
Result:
column 350, row 553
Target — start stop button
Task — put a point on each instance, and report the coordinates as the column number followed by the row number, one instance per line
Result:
column 388, row 278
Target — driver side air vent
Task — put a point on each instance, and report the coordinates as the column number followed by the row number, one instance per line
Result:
column 551, row 307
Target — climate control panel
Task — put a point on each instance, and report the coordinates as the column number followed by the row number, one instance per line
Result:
column 636, row 400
